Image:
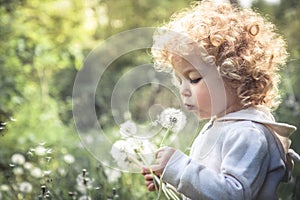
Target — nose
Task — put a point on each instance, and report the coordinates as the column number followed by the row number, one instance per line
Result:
column 185, row 90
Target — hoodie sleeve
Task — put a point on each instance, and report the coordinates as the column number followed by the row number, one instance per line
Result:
column 242, row 172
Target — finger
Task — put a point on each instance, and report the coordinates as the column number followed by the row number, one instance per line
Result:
column 148, row 183
column 158, row 161
column 157, row 169
column 151, row 187
column 148, row 177
column 159, row 151
column 145, row 170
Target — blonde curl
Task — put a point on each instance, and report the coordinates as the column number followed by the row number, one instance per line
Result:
column 244, row 46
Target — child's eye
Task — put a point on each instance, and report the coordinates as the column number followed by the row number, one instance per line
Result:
column 193, row 81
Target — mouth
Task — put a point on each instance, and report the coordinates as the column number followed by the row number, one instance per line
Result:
column 190, row 107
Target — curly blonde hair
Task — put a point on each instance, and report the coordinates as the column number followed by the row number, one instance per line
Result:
column 244, row 46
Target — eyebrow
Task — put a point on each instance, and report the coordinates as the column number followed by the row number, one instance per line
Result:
column 188, row 72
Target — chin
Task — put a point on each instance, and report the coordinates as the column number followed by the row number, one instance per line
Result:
column 201, row 115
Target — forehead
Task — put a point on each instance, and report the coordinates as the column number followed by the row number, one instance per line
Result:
column 192, row 60
column 182, row 66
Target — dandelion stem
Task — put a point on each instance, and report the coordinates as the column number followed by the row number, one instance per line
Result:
column 156, row 184
column 165, row 136
column 135, row 161
column 141, row 157
column 160, row 188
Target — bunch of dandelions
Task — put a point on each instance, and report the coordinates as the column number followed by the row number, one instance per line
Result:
column 28, row 172
column 173, row 121
column 131, row 153
column 134, row 153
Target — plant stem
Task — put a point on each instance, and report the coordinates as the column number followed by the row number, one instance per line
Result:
column 165, row 136
column 135, row 161
column 160, row 183
column 156, row 185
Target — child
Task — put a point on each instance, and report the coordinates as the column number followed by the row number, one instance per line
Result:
column 225, row 61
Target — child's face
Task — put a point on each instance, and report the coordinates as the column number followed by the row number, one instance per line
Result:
column 195, row 92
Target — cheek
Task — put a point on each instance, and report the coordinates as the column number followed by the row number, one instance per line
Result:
column 202, row 95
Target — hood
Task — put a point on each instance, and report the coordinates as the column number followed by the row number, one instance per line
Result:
column 282, row 131
column 260, row 115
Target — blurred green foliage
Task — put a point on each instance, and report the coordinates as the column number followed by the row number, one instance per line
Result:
column 44, row 44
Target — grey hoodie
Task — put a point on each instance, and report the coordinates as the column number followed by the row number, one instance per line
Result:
column 242, row 155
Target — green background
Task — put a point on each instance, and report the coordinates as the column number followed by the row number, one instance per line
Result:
column 43, row 44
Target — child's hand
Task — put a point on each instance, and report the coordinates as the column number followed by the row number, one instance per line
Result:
column 162, row 156
column 148, row 179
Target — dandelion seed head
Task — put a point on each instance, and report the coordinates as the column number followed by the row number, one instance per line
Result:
column 69, row 159
column 112, row 175
column 18, row 159
column 36, row 172
column 119, row 152
column 40, row 150
column 173, row 119
column 88, row 138
column 4, row 188
column 84, row 197
column 18, row 171
column 47, row 172
column 62, row 171
column 125, row 152
column 25, row 187
column 28, row 165
column 128, row 129
column 84, row 183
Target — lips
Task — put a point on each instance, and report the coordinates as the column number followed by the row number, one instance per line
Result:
column 189, row 106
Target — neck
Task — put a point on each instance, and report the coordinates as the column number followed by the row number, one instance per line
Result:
column 232, row 108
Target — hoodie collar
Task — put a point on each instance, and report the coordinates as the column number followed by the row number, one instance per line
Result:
column 260, row 115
